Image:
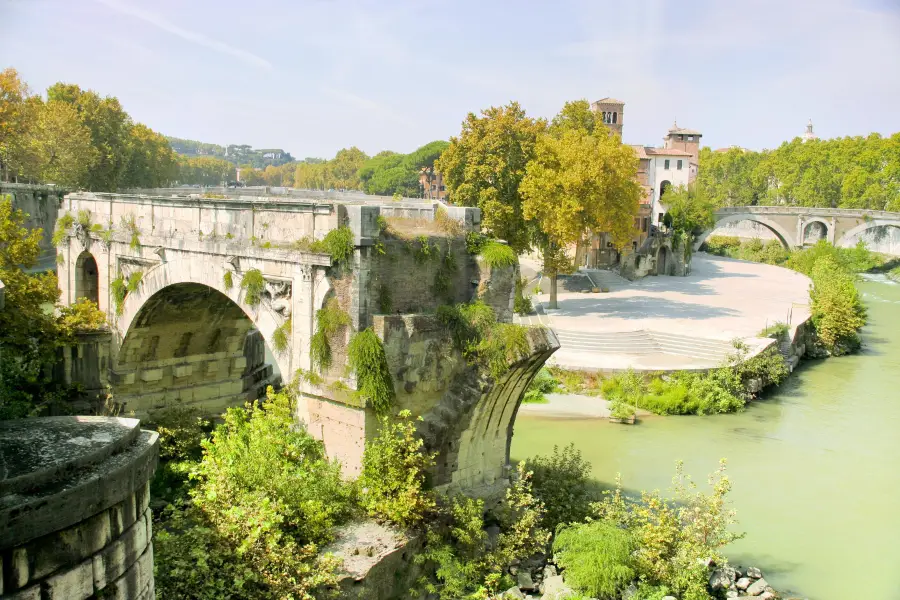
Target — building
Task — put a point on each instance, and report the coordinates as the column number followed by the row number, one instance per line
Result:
column 809, row 134
column 675, row 164
column 432, row 183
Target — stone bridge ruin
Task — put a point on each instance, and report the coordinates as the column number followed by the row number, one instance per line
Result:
column 213, row 297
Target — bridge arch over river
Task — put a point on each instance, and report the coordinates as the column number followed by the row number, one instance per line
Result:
column 798, row 226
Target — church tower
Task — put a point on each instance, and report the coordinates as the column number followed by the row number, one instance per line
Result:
column 809, row 135
column 612, row 111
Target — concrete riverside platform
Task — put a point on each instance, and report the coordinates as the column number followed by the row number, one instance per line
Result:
column 665, row 323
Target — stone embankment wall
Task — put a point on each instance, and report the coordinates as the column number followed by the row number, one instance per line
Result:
column 75, row 521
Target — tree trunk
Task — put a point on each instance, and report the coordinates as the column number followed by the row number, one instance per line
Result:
column 553, row 291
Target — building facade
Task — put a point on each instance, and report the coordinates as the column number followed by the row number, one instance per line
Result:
column 432, row 183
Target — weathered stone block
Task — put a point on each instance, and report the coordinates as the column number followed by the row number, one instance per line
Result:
column 31, row 593
column 18, row 572
column 239, row 364
column 71, row 545
column 74, row 584
column 150, row 375
column 182, row 370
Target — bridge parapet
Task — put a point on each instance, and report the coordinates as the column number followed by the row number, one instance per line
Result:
column 810, row 211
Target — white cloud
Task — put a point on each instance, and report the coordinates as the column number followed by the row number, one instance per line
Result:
column 191, row 36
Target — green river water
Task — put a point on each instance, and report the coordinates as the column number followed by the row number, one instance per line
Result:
column 815, row 466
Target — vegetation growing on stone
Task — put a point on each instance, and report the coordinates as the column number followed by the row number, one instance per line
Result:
column 778, row 330
column 385, row 301
column 482, row 339
column 134, row 280
column 254, row 284
column 84, row 219
column 443, row 277
column 339, row 244
column 365, row 356
column 392, row 483
column 130, row 225
column 497, row 255
column 421, row 249
column 543, row 383
column 119, row 289
column 448, row 224
column 474, row 242
column 281, row 335
column 63, row 223
column 80, row 317
column 330, row 319
column 227, row 280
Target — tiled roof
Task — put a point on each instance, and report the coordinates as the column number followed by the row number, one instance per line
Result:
column 608, row 101
column 683, row 131
column 639, row 150
column 666, row 152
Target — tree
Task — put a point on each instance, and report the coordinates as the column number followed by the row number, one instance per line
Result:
column 690, row 210
column 576, row 114
column 62, row 144
column 485, row 165
column 32, row 330
column 575, row 184
column 343, row 169
column 151, row 160
column 204, row 170
column 251, row 176
column 17, row 113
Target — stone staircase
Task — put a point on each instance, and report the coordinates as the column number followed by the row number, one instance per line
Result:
column 641, row 342
column 606, row 279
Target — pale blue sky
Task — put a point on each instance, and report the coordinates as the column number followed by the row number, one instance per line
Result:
column 313, row 76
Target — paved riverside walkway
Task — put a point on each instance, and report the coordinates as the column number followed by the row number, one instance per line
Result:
column 669, row 323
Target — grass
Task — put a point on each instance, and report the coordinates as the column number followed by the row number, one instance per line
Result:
column 497, row 255
column 253, row 284
column 777, row 331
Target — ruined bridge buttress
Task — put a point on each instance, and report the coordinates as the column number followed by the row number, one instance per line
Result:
column 797, row 226
column 186, row 333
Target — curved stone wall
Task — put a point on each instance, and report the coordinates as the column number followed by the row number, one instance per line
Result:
column 74, row 516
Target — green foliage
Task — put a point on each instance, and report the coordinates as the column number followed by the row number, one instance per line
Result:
column 119, row 290
column 227, row 280
column 265, row 498
column 690, row 209
column 522, row 304
column 474, row 242
column 341, row 172
column 339, row 244
column 389, row 173
column 134, row 280
column 63, row 223
column 181, row 431
column 281, row 335
column 577, row 382
column 561, row 482
column 850, row 172
column 482, row 340
column 84, row 219
column 596, row 558
column 674, row 538
column 365, row 355
column 448, row 224
column 497, row 255
column 80, row 317
column 851, row 260
column 838, row 313
column 422, row 250
column 680, row 393
column 465, row 564
column 253, row 284
column 723, row 245
column 543, row 383
column 330, row 319
column 778, row 331
column 392, row 483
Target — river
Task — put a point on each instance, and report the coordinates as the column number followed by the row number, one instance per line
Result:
column 815, row 466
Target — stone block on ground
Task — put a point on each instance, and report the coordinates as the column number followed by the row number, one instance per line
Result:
column 757, row 587
column 556, row 589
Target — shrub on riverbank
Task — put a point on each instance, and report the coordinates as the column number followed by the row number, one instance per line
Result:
column 543, row 383
column 838, row 313
column 561, row 482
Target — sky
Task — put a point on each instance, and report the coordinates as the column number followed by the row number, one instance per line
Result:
column 314, row 76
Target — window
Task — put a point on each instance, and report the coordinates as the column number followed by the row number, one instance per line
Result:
column 679, row 165
column 690, row 138
column 666, row 167
column 615, row 117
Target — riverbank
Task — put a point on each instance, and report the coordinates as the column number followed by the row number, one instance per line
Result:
column 813, row 466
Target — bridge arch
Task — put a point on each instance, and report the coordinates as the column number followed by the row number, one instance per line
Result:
column 172, row 275
column 87, row 277
column 783, row 235
column 811, row 225
column 851, row 236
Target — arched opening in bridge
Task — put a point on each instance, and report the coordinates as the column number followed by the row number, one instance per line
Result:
column 191, row 346
column 746, row 228
column 814, row 231
column 665, row 265
column 883, row 238
column 86, row 278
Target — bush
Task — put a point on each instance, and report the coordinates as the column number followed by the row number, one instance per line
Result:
column 181, row 432
column 561, row 482
column 281, row 336
column 522, row 304
column 851, row 260
column 482, row 340
column 675, row 538
column 723, row 245
column 596, row 558
column 330, row 319
column 119, row 290
column 392, row 483
column 497, row 255
column 680, row 393
column 577, row 382
column 543, row 383
column 837, row 310
column 777, row 331
column 365, row 355
column 339, row 244
column 84, row 315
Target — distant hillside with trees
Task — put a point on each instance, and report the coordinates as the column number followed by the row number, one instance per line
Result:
column 850, row 172
column 237, row 154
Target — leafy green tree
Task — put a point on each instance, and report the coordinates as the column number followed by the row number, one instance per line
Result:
column 838, row 313
column 575, row 184
column 690, row 209
column 151, row 161
column 345, row 166
column 485, row 165
column 204, row 170
column 18, row 108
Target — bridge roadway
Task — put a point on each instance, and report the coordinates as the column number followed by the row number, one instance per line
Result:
column 796, row 226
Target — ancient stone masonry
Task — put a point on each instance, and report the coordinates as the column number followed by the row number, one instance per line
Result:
column 41, row 203
column 75, row 521
column 214, row 298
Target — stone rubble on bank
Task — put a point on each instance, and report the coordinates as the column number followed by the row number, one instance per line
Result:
column 539, row 578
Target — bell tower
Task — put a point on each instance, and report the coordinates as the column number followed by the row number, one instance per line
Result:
column 612, row 111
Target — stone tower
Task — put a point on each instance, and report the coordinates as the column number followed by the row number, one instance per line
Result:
column 612, row 111
column 810, row 134
column 686, row 140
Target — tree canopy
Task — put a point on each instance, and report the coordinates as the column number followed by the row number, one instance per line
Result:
column 485, row 164
column 850, row 172
column 388, row 173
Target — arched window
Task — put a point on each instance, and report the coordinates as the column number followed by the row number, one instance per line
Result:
column 664, row 187
column 615, row 117
column 86, row 274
